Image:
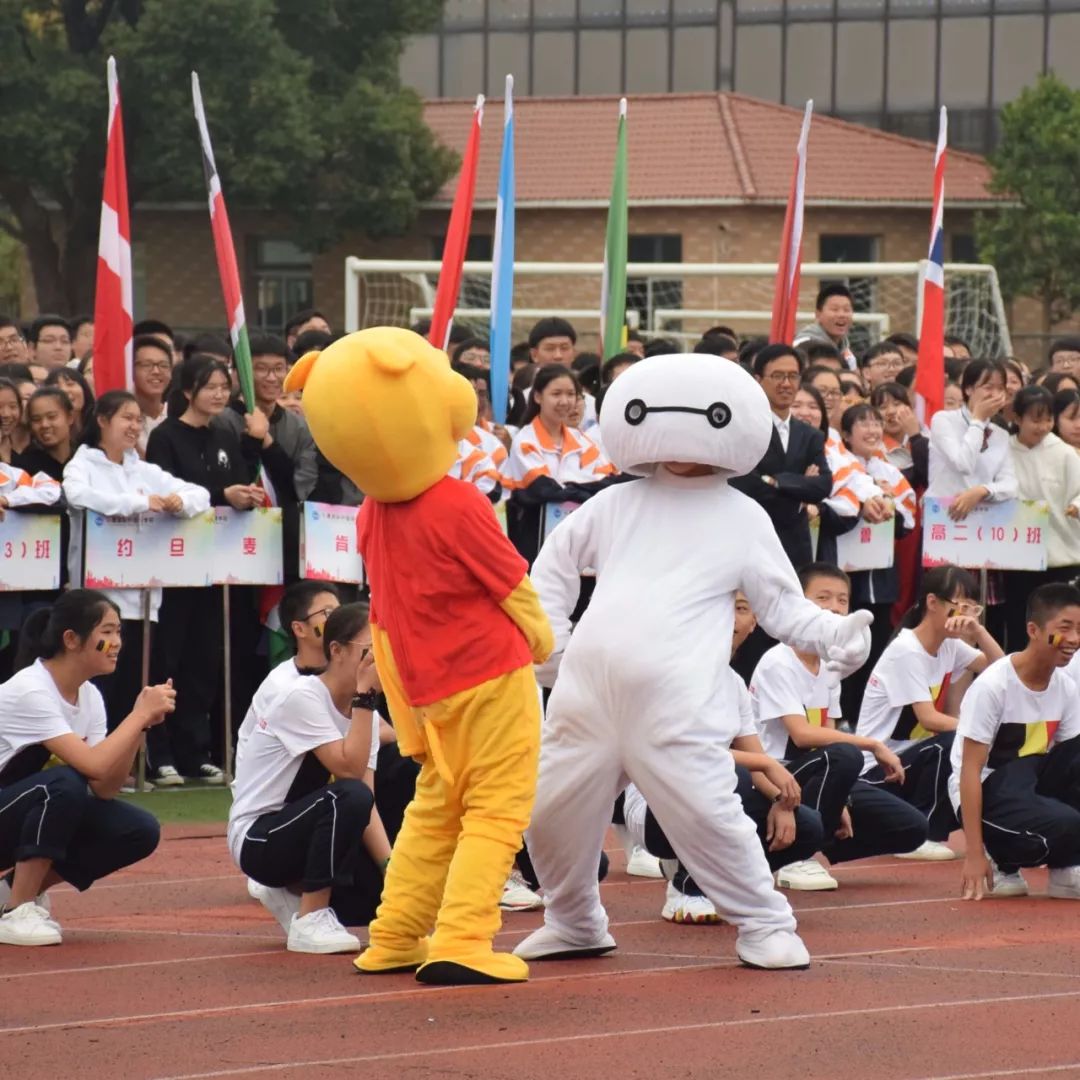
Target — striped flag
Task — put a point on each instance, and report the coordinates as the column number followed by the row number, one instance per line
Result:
column 113, row 318
column 613, row 286
column 457, row 237
column 226, row 255
column 930, row 370
column 502, row 273
column 789, row 268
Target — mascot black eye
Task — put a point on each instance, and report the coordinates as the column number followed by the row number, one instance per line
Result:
column 636, row 412
column 718, row 414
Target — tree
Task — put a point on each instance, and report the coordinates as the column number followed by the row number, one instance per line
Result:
column 1035, row 241
column 305, row 107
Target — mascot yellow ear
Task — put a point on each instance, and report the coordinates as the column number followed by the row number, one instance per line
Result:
column 300, row 371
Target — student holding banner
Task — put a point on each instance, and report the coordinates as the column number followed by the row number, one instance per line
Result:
column 1047, row 470
column 549, row 461
column 906, row 701
column 63, row 823
column 107, row 476
column 51, row 417
column 187, row 446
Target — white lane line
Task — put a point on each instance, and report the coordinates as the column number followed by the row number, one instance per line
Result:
column 1035, row 1070
column 946, row 968
column 97, row 968
column 152, row 882
column 672, row 1029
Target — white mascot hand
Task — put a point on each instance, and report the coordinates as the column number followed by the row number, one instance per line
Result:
column 852, row 645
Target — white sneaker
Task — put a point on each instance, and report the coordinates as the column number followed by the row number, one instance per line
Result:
column 1064, row 883
column 42, row 900
column 517, row 896
column 680, row 907
column 547, row 944
column 1008, row 884
column 320, row 932
column 930, row 851
column 773, row 950
column 642, row 864
column 281, row 903
column 210, row 774
column 167, row 776
column 28, row 924
column 806, row 876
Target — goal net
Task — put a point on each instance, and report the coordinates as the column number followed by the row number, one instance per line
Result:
column 680, row 300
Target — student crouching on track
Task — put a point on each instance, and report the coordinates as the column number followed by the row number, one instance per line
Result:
column 290, row 829
column 63, row 824
column 906, row 704
column 107, row 476
column 1016, row 759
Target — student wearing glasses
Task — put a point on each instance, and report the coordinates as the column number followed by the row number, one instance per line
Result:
column 293, row 830
column 881, row 363
column 794, row 471
column 152, row 369
column 906, row 704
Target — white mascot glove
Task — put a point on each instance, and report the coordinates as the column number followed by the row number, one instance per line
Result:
column 851, row 646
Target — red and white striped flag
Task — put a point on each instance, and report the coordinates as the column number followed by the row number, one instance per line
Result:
column 930, row 370
column 789, row 268
column 113, row 318
column 457, row 237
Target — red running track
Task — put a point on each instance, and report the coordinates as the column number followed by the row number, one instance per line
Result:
column 170, row 970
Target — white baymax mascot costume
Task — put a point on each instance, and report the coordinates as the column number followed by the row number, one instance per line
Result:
column 642, row 693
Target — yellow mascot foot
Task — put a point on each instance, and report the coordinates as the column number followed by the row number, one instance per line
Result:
column 478, row 970
column 380, row 961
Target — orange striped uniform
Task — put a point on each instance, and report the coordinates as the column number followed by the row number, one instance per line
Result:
column 534, row 454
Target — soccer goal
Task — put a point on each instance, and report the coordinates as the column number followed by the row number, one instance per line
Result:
column 680, row 300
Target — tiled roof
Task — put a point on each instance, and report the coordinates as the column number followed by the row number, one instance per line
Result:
column 698, row 148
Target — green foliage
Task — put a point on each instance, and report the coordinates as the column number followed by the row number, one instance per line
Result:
column 305, row 109
column 1035, row 242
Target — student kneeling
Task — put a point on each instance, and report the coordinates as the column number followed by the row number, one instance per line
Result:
column 62, row 824
column 289, row 829
column 1016, row 758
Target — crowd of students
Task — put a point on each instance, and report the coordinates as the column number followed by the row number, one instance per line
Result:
column 940, row 728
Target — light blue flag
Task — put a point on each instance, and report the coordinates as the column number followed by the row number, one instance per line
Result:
column 502, row 272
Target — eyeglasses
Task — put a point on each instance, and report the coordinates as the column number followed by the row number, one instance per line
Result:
column 885, row 364
column 153, row 365
column 784, row 376
column 965, row 607
column 831, row 395
column 270, row 373
column 323, row 611
column 54, row 340
column 10, row 340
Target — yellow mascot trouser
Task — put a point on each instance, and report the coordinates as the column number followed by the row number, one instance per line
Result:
column 461, row 832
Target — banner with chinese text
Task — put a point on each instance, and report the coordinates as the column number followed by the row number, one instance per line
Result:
column 29, row 551
column 149, row 551
column 866, row 547
column 328, row 550
column 1007, row 535
column 247, row 546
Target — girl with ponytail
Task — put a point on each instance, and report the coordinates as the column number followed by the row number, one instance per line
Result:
column 63, row 824
column 907, row 706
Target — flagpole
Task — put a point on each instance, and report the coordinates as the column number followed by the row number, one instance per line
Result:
column 502, row 276
column 789, row 264
column 457, row 236
column 930, row 366
column 613, row 285
column 226, row 255
column 113, row 306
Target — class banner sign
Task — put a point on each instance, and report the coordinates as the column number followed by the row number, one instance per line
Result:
column 1008, row 535
column 29, row 552
column 328, row 545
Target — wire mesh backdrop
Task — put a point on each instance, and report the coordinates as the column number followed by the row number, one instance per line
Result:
column 681, row 300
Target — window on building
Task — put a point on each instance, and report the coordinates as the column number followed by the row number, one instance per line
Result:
column 860, row 67
column 599, row 62
column 1018, row 54
column 694, row 59
column 965, row 62
column 419, row 65
column 280, row 281
column 757, row 60
column 962, row 248
column 912, row 48
column 553, row 63
column 645, row 295
column 646, row 61
column 853, row 248
column 463, row 65
column 809, row 64
column 508, row 54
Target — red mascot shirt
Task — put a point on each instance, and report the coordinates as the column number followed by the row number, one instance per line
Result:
column 438, row 567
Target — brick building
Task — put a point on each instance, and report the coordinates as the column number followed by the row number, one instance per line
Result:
column 709, row 178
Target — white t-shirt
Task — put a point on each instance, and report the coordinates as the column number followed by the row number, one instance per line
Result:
column 906, row 673
column 32, row 711
column 280, row 681
column 783, row 686
column 299, row 722
column 1013, row 720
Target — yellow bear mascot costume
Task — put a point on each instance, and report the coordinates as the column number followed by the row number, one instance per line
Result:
column 457, row 627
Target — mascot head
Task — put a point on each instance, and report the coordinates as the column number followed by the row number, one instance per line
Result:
column 687, row 407
column 385, row 408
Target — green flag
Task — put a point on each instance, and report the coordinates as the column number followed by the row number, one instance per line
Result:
column 613, row 300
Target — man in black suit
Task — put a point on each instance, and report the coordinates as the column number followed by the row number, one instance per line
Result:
column 793, row 471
